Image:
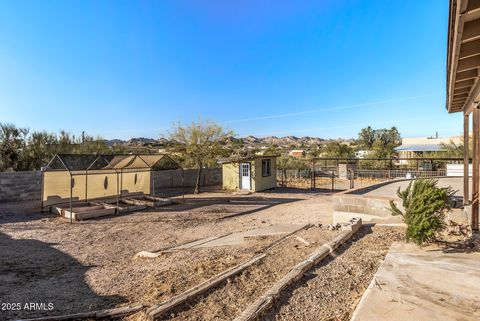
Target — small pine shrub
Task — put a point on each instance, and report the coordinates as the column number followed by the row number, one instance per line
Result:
column 425, row 205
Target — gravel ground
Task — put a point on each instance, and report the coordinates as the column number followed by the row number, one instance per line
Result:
column 227, row 301
column 333, row 289
column 89, row 265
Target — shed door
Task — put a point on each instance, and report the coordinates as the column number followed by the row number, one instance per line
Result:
column 245, row 175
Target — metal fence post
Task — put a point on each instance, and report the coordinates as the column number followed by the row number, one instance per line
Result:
column 352, row 179
column 333, row 181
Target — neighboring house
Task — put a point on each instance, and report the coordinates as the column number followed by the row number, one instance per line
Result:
column 361, row 154
column 418, row 146
column 256, row 173
column 297, row 153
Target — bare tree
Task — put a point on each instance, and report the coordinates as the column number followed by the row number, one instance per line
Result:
column 200, row 142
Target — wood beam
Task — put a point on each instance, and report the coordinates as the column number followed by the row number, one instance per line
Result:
column 473, row 98
column 469, row 49
column 471, row 31
column 468, row 63
column 475, row 172
column 461, row 91
column 472, row 10
column 466, row 158
column 473, row 5
column 460, row 96
column 454, row 43
column 464, row 83
column 464, row 75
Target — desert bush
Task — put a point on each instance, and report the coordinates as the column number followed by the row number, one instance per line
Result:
column 425, row 205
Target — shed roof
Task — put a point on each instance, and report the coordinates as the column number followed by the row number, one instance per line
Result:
column 419, row 148
column 91, row 162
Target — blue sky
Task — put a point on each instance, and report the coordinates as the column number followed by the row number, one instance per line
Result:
column 132, row 68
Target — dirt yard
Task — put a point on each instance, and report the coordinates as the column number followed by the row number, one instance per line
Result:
column 90, row 265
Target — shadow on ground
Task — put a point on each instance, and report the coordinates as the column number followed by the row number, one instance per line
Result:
column 235, row 205
column 468, row 245
column 198, row 209
column 32, row 271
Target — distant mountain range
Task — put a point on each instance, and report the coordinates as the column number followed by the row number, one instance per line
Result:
column 248, row 140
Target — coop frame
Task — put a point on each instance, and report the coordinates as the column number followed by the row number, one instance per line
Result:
column 92, row 165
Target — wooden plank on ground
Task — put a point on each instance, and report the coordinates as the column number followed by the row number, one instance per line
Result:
column 116, row 312
column 158, row 310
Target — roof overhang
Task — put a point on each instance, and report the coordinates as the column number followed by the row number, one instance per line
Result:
column 463, row 56
column 239, row 159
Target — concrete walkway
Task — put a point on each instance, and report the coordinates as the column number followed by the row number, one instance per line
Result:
column 418, row 284
column 239, row 238
column 390, row 190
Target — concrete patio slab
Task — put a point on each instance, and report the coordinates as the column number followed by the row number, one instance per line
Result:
column 238, row 238
column 230, row 239
column 420, row 284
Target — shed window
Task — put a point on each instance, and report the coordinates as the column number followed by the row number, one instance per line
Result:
column 266, row 167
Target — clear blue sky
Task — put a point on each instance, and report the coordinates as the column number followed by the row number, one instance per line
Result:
column 132, row 68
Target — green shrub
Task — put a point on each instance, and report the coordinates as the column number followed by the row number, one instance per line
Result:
column 425, row 205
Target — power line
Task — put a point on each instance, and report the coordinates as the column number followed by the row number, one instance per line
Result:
column 374, row 103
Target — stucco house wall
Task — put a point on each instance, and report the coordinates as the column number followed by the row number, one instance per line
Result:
column 259, row 182
column 231, row 175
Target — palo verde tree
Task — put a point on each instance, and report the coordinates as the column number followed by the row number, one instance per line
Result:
column 200, row 143
column 425, row 205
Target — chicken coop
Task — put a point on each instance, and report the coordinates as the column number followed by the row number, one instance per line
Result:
column 86, row 186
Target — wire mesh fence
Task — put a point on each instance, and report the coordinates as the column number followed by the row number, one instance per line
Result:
column 333, row 180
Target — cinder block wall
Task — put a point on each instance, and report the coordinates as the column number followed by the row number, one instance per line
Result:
column 19, row 186
column 369, row 209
